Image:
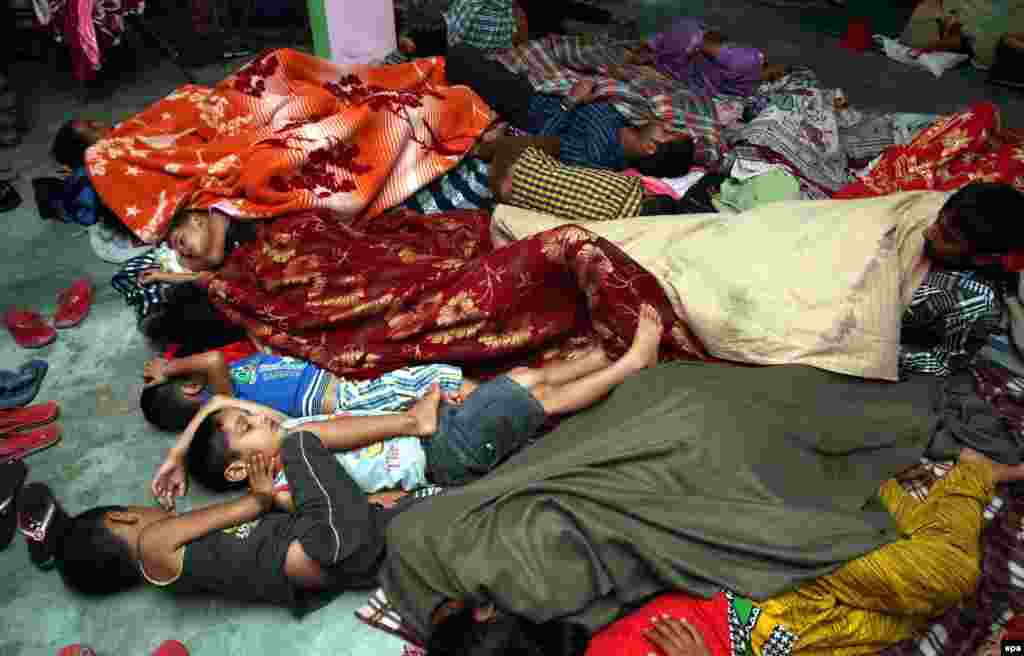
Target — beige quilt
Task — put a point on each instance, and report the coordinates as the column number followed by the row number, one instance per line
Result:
column 821, row 283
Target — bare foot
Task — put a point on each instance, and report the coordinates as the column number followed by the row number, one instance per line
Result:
column 582, row 90
column 424, row 412
column 643, row 352
column 1000, row 473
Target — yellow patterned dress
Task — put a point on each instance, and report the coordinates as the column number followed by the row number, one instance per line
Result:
column 885, row 596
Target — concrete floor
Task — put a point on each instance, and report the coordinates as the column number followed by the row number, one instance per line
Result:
column 109, row 454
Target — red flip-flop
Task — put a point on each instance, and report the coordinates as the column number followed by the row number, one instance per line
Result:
column 15, row 446
column 76, row 650
column 171, row 648
column 28, row 328
column 28, row 417
column 73, row 304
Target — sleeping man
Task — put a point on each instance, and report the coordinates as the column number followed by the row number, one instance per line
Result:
column 714, row 491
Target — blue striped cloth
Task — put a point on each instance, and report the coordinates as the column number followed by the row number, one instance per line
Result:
column 392, row 392
column 466, row 187
column 396, row 390
column 398, row 462
column 589, row 134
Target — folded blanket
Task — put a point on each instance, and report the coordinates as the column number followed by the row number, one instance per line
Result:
column 788, row 282
column 287, row 132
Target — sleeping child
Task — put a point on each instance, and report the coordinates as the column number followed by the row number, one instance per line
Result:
column 176, row 389
column 240, row 548
column 467, row 438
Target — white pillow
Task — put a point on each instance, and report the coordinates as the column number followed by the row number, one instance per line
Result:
column 936, row 63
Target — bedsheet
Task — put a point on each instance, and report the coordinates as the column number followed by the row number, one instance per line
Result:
column 786, row 282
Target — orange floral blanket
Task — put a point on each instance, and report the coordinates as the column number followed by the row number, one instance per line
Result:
column 407, row 288
column 287, row 132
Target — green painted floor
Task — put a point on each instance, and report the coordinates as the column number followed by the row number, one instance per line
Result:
column 109, row 454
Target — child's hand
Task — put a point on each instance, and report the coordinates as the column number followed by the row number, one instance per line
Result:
column 675, row 637
column 170, row 481
column 387, row 499
column 154, row 372
column 150, row 276
column 455, row 398
column 261, row 479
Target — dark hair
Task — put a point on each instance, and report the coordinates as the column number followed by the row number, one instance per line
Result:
column 672, row 159
column 91, row 558
column 69, row 146
column 988, row 215
column 506, row 635
column 167, row 407
column 209, row 455
column 187, row 317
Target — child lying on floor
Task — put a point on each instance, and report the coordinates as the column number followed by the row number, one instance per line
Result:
column 468, row 439
column 861, row 608
column 176, row 389
column 526, row 172
column 238, row 548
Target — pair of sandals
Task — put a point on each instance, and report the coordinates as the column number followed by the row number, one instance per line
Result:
column 33, row 510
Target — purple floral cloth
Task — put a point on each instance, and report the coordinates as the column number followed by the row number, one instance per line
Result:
column 677, row 52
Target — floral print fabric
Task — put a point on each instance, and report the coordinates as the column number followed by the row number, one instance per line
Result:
column 287, row 132
column 405, row 288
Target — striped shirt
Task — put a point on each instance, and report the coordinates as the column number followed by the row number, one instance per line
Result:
column 949, row 318
column 589, row 134
column 398, row 462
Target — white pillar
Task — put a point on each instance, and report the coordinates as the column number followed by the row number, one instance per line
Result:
column 359, row 30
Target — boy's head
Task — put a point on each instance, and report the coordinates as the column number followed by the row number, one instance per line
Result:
column 979, row 219
column 97, row 551
column 657, row 152
column 222, row 443
column 74, row 138
column 171, row 405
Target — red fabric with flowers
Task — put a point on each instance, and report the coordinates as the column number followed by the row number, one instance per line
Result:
column 955, row 151
column 405, row 288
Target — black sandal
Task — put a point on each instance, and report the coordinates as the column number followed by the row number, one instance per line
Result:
column 9, row 197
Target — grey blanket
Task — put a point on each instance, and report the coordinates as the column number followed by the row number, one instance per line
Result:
column 689, row 476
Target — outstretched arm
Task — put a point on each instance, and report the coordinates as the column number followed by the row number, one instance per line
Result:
column 346, row 432
column 171, row 479
column 210, row 364
column 161, row 545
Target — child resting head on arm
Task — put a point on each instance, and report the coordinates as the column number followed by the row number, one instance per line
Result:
column 201, row 240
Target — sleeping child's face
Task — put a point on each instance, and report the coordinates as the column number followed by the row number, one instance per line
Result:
column 250, row 432
column 191, row 239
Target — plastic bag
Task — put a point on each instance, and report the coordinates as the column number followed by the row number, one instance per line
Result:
column 936, row 63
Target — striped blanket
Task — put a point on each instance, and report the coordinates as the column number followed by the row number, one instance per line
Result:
column 287, row 132
column 555, row 63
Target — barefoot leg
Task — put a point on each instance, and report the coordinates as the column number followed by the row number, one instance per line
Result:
column 585, row 391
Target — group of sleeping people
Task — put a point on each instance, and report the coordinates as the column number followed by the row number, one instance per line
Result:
column 326, row 464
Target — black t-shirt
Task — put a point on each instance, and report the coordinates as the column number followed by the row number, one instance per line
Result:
column 243, row 562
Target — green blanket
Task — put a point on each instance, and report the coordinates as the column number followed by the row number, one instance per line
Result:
column 689, row 476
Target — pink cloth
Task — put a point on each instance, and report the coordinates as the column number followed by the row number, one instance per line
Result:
column 625, row 636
